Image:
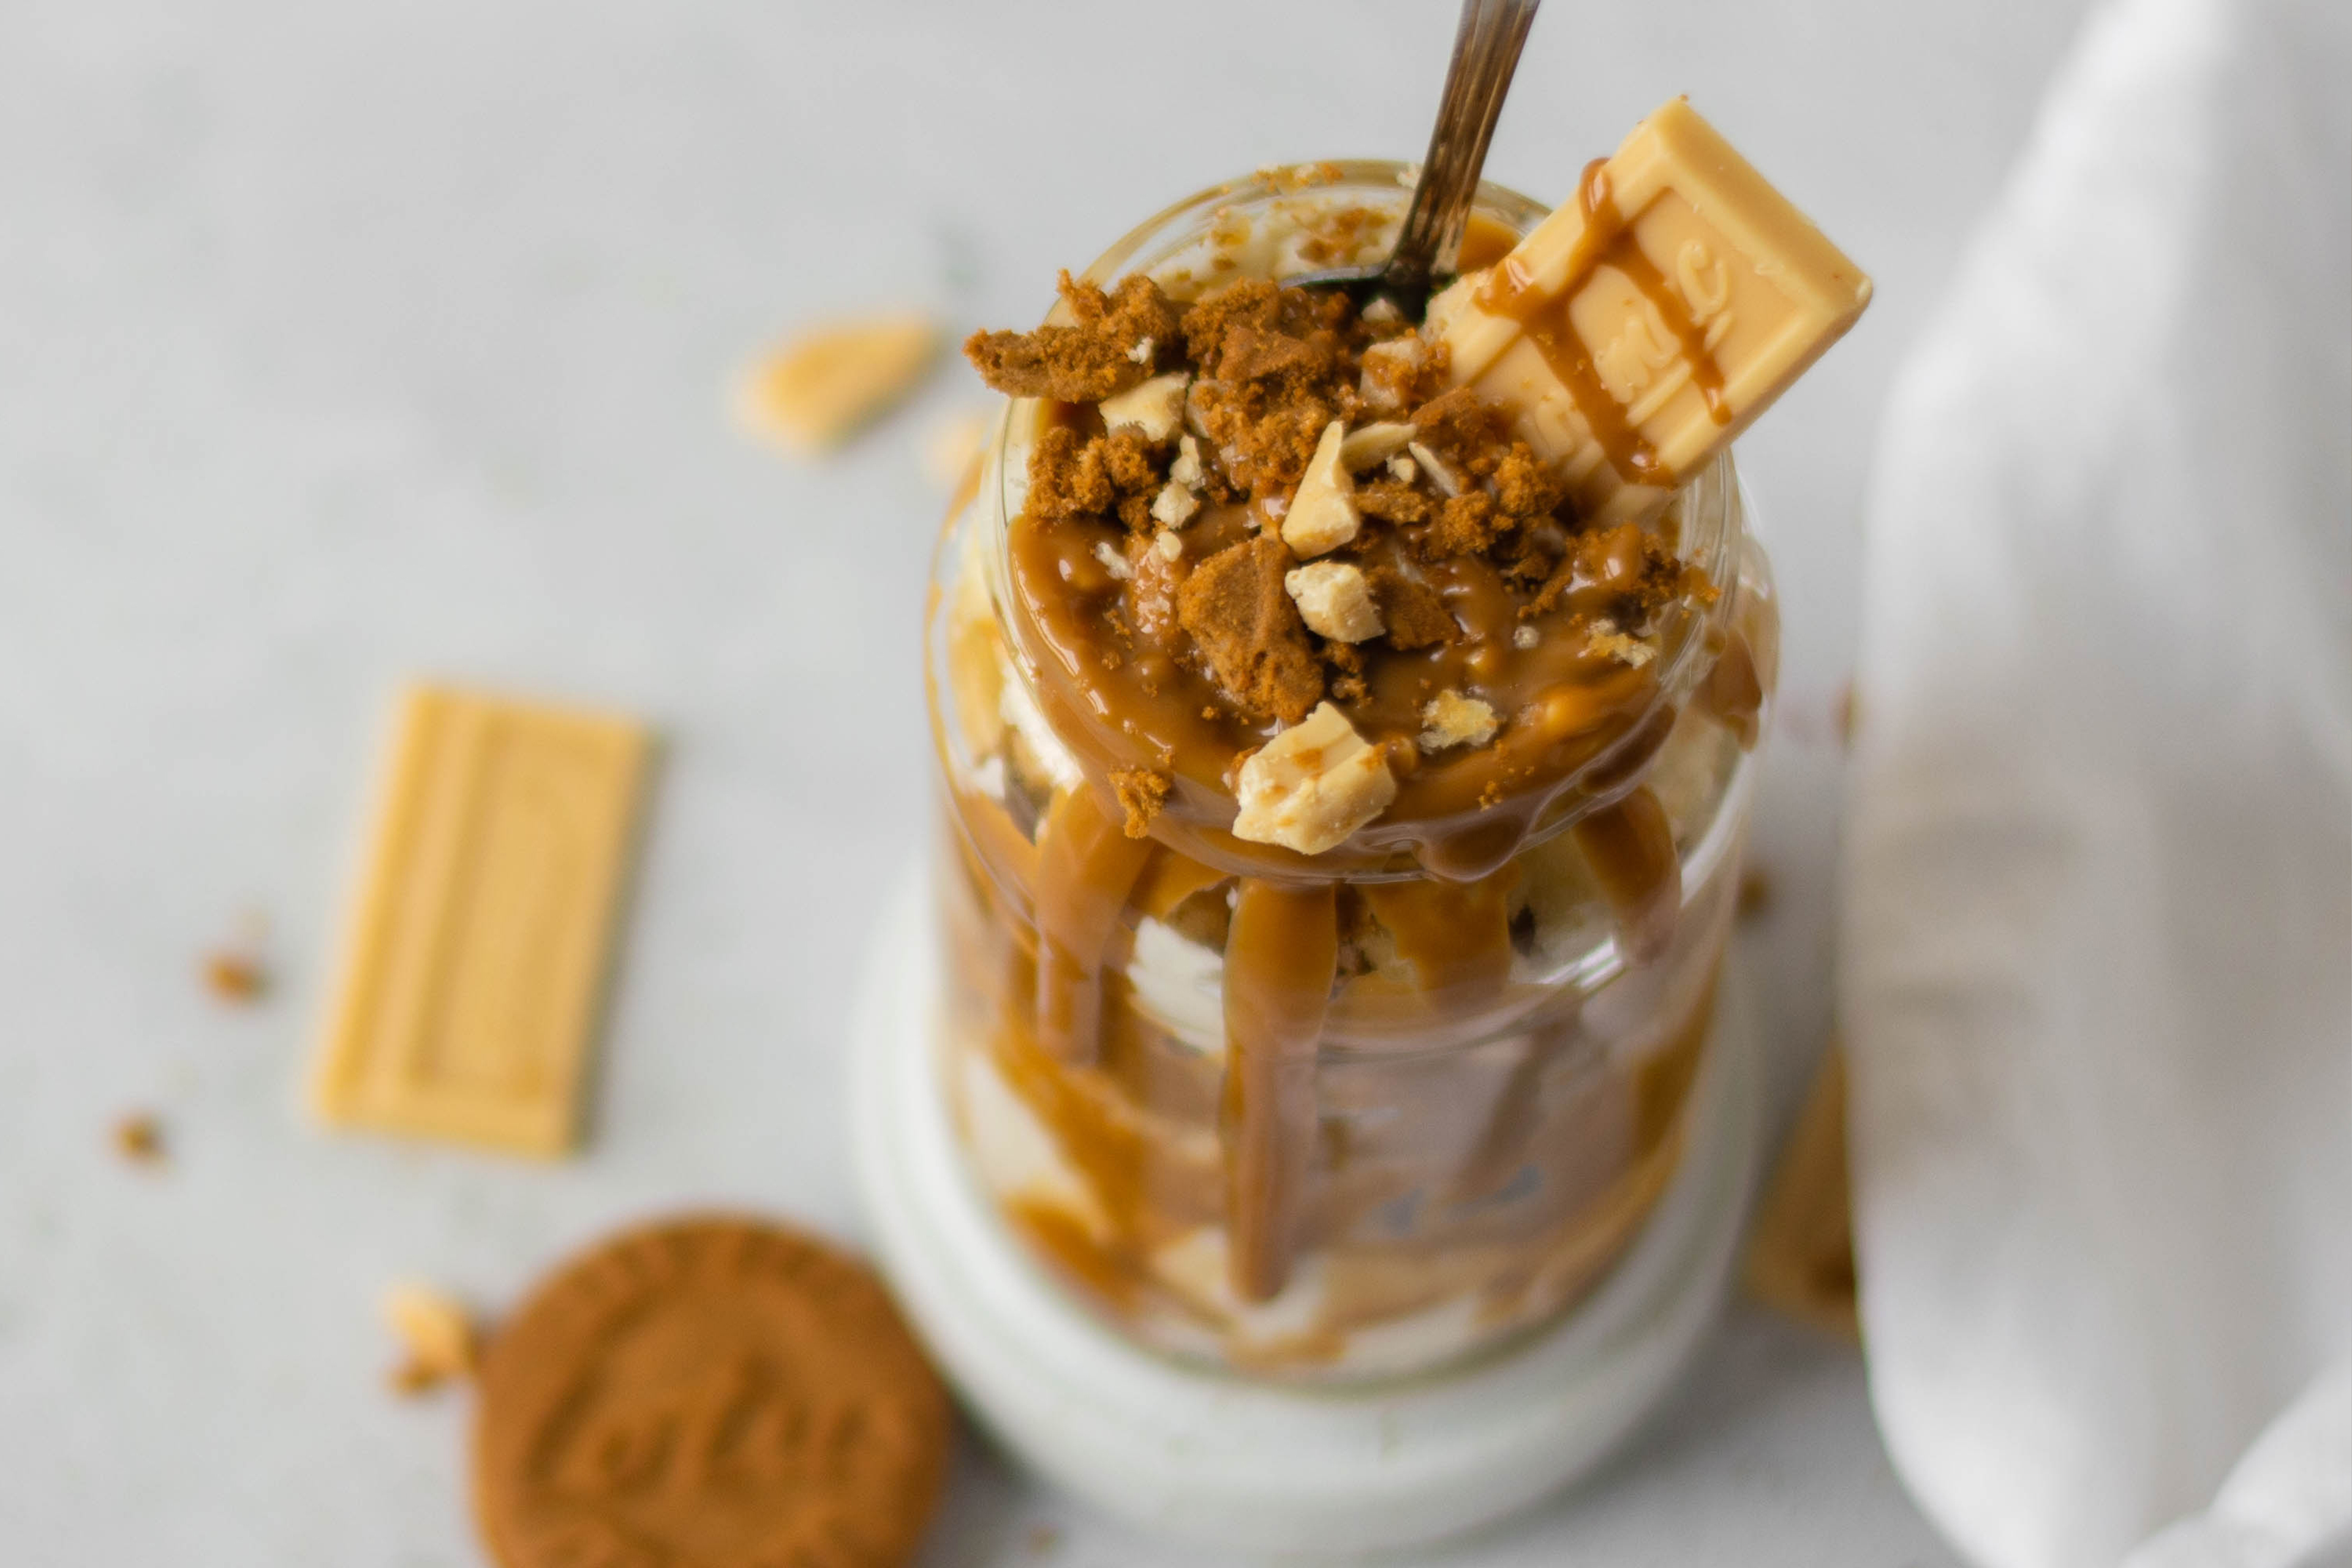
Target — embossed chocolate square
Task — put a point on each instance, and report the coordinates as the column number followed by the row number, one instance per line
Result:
column 1636, row 332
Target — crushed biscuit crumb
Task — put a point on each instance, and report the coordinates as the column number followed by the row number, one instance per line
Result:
column 139, row 1138
column 1415, row 615
column 1087, row 359
column 235, row 976
column 1237, row 611
column 1141, row 792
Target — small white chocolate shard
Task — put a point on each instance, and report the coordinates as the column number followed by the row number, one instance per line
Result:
column 1335, row 600
column 1638, row 329
column 1155, row 407
column 1174, row 505
column 435, row 1334
column 1322, row 514
column 816, row 391
column 1608, row 640
column 1313, row 786
column 1112, row 561
column 1388, row 369
column 1451, row 719
column 1526, row 637
column 1382, row 311
column 1373, row 443
column 1403, row 469
column 1141, row 353
column 1441, row 473
column 1186, row 469
column 1169, row 546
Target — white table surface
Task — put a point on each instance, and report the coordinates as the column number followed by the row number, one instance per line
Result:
column 339, row 342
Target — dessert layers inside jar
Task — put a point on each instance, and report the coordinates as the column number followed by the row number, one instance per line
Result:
column 1359, row 1111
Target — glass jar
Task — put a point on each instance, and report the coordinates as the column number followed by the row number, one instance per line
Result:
column 1452, row 1142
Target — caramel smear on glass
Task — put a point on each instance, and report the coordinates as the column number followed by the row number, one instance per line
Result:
column 1087, row 865
column 1280, row 960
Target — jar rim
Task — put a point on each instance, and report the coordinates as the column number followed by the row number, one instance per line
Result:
column 1709, row 504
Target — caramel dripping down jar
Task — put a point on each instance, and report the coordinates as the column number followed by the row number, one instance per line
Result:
column 1347, row 1118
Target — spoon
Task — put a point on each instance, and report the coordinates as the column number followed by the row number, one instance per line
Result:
column 1485, row 51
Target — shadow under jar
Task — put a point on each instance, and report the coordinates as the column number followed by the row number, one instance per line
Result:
column 1359, row 1114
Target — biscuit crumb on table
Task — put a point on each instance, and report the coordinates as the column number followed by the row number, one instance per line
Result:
column 436, row 1334
column 138, row 1137
column 235, row 976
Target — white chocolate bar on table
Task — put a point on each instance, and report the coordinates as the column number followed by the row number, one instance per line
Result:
column 1640, row 329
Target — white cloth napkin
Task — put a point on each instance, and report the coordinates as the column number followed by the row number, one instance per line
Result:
column 2097, row 919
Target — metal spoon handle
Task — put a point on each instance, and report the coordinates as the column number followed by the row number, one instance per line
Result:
column 1485, row 51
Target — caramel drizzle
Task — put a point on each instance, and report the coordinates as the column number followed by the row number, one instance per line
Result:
column 1690, row 335
column 1630, row 847
column 1279, row 964
column 1510, row 293
column 1734, row 691
column 1456, row 937
column 1087, row 865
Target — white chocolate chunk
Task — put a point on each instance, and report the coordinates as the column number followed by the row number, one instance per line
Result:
column 1112, row 561
column 1322, row 514
column 1526, row 637
column 1186, row 469
column 1335, row 600
column 1313, row 786
column 1453, row 719
column 1626, row 649
column 1382, row 310
column 1141, row 353
column 1403, row 469
column 1373, row 443
column 1448, row 483
column 1155, row 407
column 1388, row 364
column 1169, row 546
column 1174, row 505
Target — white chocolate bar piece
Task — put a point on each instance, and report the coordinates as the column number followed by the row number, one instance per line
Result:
column 1639, row 329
